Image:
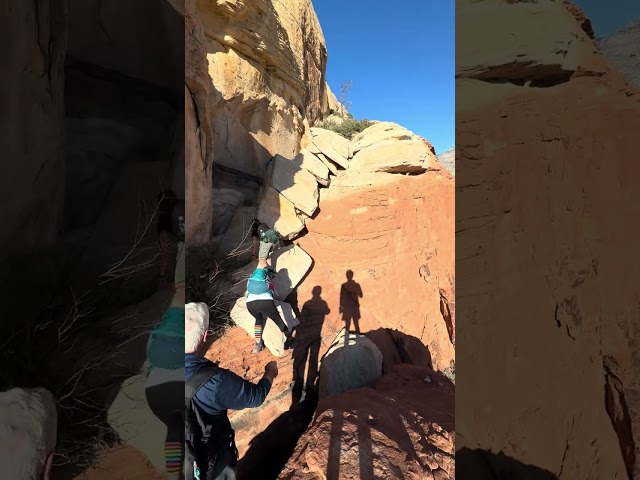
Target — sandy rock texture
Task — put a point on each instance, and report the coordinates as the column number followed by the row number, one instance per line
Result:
column 546, row 114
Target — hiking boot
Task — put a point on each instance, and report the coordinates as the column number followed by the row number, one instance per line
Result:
column 259, row 347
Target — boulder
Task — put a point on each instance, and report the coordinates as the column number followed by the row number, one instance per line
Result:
column 379, row 132
column 327, row 162
column 279, row 212
column 334, row 146
column 534, row 59
column 136, row 425
column 292, row 264
column 271, row 335
column 294, row 183
column 352, row 361
column 322, row 137
column 395, row 156
column 402, row 429
column 310, row 162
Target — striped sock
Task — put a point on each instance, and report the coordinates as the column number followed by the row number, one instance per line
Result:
column 258, row 330
column 173, row 457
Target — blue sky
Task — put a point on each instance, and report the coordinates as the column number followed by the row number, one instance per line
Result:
column 609, row 16
column 400, row 58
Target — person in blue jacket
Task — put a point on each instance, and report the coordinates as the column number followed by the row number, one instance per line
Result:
column 223, row 390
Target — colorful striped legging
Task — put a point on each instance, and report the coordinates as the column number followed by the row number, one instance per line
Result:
column 165, row 401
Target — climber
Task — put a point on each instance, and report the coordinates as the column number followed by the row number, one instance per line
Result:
column 165, row 375
column 210, row 391
column 260, row 290
column 264, row 239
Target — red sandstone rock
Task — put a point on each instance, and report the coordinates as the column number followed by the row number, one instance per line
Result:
column 401, row 430
column 546, row 158
column 122, row 463
column 396, row 233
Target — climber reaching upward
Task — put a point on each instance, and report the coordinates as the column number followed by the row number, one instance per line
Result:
column 264, row 240
column 260, row 304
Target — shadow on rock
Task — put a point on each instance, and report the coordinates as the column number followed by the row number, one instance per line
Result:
column 306, row 350
column 399, row 348
column 481, row 464
column 269, row 452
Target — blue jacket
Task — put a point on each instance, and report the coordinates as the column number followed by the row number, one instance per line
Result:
column 225, row 391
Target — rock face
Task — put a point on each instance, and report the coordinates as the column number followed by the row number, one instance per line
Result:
column 623, row 50
column 402, row 429
column 395, row 156
column 198, row 190
column 32, row 175
column 267, row 60
column 352, row 361
column 388, row 230
column 571, row 311
column 294, row 183
column 199, row 131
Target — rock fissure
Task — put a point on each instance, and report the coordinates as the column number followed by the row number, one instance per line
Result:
column 618, row 412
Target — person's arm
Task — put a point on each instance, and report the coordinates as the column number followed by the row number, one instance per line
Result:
column 236, row 393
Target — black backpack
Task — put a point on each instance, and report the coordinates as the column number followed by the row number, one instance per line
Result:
column 205, row 456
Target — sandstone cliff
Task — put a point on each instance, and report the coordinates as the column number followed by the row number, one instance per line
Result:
column 548, row 109
column 267, row 60
column 367, row 224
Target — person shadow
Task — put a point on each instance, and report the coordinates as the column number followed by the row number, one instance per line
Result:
column 350, row 295
column 306, row 350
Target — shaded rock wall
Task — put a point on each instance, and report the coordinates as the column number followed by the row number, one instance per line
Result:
column 136, row 38
column 31, row 133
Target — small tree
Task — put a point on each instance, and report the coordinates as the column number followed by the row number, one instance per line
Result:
column 345, row 91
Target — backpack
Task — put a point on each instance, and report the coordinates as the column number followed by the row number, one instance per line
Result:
column 166, row 341
column 261, row 282
column 270, row 236
column 204, row 459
